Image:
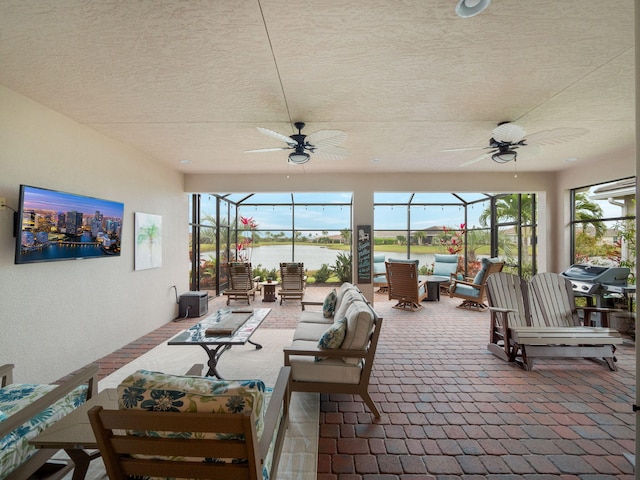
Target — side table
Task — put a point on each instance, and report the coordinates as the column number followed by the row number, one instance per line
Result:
column 269, row 291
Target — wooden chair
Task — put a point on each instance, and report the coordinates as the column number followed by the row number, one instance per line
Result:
column 294, row 281
column 404, row 284
column 242, row 283
column 181, row 456
column 539, row 320
column 472, row 290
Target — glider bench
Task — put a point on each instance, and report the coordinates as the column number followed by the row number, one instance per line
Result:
column 27, row 409
column 333, row 349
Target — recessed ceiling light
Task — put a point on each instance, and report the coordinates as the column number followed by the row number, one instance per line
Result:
column 375, row 160
column 185, row 162
column 570, row 159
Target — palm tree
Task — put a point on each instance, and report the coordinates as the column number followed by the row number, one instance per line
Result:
column 419, row 237
column 589, row 213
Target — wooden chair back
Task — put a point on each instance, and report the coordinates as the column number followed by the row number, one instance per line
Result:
column 552, row 301
column 508, row 291
column 404, row 285
column 124, row 454
column 240, row 276
column 292, row 276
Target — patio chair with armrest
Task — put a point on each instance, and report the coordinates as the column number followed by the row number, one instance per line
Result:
column 404, row 284
column 445, row 267
column 472, row 290
column 212, row 429
column 242, row 283
column 293, row 279
column 380, row 273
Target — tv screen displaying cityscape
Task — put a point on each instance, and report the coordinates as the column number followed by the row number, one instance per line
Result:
column 53, row 225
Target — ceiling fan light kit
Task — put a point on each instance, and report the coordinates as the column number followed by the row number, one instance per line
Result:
column 299, row 157
column 470, row 8
column 504, row 156
column 508, row 137
column 324, row 143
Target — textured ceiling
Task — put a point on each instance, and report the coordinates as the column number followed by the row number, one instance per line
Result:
column 405, row 79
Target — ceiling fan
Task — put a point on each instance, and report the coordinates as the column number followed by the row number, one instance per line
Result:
column 508, row 137
column 323, row 143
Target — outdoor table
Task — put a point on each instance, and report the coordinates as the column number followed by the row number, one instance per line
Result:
column 216, row 345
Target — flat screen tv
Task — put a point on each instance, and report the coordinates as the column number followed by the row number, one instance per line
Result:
column 53, row 225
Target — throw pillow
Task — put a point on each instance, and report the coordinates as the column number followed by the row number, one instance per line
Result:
column 333, row 337
column 329, row 304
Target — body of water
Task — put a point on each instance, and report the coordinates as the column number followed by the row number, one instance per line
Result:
column 313, row 256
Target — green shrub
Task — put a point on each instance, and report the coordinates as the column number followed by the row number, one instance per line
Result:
column 323, row 274
column 342, row 267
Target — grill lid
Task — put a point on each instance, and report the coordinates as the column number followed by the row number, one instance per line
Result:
column 597, row 274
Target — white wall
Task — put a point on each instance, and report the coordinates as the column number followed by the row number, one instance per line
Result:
column 58, row 316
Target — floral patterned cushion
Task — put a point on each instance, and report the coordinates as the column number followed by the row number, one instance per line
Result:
column 329, row 304
column 146, row 390
column 334, row 335
column 14, row 447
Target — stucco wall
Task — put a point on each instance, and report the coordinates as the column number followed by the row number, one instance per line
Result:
column 58, row 316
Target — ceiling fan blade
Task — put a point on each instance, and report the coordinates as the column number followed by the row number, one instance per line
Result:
column 333, row 153
column 528, row 152
column 274, row 149
column 323, row 138
column 278, row 136
column 464, row 149
column 555, row 136
column 508, row 132
column 477, row 159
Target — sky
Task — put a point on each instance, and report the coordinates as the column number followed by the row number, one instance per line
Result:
column 42, row 199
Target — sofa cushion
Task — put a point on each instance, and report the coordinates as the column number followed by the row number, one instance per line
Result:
column 348, row 297
column 445, row 265
column 360, row 320
column 328, row 370
column 404, row 260
column 329, row 304
column 310, row 331
column 14, row 447
column 310, row 316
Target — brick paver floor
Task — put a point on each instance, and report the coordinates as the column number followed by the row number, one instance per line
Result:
column 451, row 410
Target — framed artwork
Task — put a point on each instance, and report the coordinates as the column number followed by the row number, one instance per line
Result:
column 148, row 241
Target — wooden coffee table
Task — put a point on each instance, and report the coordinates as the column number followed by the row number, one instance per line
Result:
column 215, row 346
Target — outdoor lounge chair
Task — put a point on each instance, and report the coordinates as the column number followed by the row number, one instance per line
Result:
column 472, row 290
column 242, row 283
column 213, row 429
column 294, row 281
column 404, row 284
column 529, row 321
column 380, row 273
